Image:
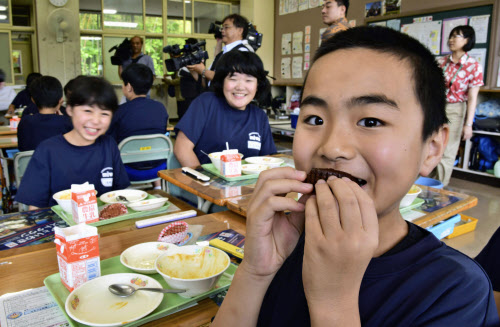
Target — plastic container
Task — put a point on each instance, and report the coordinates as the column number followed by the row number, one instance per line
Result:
column 294, row 118
column 467, row 224
column 445, row 227
column 431, row 182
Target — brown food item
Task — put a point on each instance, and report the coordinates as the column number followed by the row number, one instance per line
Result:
column 113, row 210
column 323, row 173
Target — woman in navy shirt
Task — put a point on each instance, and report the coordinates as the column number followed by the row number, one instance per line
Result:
column 226, row 115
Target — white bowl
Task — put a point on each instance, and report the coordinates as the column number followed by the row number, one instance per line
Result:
column 215, row 158
column 410, row 196
column 130, row 194
column 141, row 257
column 172, row 264
column 252, row 169
column 64, row 203
column 93, row 304
column 149, row 204
column 272, row 162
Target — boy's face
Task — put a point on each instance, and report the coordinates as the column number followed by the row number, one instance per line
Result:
column 136, row 44
column 358, row 118
column 332, row 12
column 89, row 122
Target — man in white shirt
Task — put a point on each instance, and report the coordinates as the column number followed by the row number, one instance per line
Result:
column 7, row 95
column 234, row 31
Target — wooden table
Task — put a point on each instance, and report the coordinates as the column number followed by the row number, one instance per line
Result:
column 436, row 199
column 6, row 130
column 27, row 267
column 8, row 141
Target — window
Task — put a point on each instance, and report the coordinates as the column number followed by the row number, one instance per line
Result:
column 90, row 15
column 154, row 22
column 206, row 13
column 91, row 53
column 154, row 48
column 123, row 14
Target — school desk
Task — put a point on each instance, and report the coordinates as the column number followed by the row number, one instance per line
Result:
column 438, row 205
column 6, row 130
column 27, row 267
column 8, row 141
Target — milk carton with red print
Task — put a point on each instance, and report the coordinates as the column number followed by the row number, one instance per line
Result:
column 77, row 254
column 230, row 163
column 84, row 203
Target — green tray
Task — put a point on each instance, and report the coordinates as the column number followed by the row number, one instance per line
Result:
column 68, row 218
column 211, row 169
column 170, row 304
column 415, row 204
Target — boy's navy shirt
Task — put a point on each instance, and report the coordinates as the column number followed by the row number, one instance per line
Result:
column 426, row 284
column 23, row 98
column 34, row 129
column 210, row 122
column 489, row 259
column 56, row 164
column 31, row 109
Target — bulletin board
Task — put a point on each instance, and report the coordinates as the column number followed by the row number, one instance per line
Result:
column 433, row 30
column 303, row 26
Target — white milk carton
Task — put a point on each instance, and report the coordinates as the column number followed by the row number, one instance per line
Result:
column 84, row 203
column 77, row 254
column 230, row 163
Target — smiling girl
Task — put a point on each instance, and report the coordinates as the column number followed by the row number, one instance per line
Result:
column 227, row 115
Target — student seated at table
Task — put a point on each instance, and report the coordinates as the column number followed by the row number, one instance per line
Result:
column 67, row 92
column 46, row 91
column 23, row 98
column 139, row 116
column 489, row 259
column 82, row 155
column 345, row 256
column 227, row 114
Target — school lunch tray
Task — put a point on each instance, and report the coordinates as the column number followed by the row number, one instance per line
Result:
column 171, row 302
column 211, row 169
column 415, row 204
column 68, row 218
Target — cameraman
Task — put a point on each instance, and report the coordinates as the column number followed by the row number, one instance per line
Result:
column 234, row 31
column 136, row 44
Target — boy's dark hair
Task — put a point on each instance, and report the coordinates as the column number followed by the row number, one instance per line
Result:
column 244, row 62
column 429, row 84
column 46, row 91
column 140, row 78
column 344, row 3
column 2, row 76
column 468, row 33
column 239, row 22
column 93, row 91
column 30, row 78
column 69, row 86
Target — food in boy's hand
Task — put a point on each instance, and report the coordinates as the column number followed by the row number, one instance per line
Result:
column 113, row 210
column 323, row 173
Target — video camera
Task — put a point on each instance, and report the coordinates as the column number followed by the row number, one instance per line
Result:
column 123, row 52
column 253, row 38
column 193, row 54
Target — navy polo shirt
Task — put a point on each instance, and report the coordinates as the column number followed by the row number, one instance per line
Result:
column 36, row 128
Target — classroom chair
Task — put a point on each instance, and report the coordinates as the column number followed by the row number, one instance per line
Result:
column 145, row 148
column 21, row 160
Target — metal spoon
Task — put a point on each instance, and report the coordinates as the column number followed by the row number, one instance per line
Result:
column 122, row 198
column 125, row 290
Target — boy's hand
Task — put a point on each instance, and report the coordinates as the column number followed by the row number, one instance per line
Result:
column 270, row 234
column 341, row 238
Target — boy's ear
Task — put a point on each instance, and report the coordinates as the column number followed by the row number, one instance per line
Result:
column 69, row 111
column 434, row 149
column 61, row 101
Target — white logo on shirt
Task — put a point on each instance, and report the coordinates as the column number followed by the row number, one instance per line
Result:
column 107, row 177
column 254, row 141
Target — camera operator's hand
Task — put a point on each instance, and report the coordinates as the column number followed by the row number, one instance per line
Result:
column 200, row 69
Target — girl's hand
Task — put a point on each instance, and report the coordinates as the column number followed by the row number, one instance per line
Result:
column 271, row 235
column 341, row 238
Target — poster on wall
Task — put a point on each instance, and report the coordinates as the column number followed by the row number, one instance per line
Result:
column 297, row 67
column 395, row 24
column 285, row 67
column 428, row 33
column 303, row 5
column 17, row 62
column 480, row 25
column 297, row 40
column 293, row 6
column 480, row 56
column 286, row 44
column 373, row 9
column 314, row 3
column 391, row 7
column 448, row 25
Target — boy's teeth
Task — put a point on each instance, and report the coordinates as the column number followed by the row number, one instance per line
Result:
column 92, row 130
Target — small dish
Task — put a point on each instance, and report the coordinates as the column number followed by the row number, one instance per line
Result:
column 252, row 169
column 130, row 194
column 63, row 198
column 146, row 205
column 272, row 162
column 141, row 257
column 410, row 196
column 93, row 304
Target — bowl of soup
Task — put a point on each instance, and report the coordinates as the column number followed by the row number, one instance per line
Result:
column 141, row 257
column 195, row 268
column 63, row 198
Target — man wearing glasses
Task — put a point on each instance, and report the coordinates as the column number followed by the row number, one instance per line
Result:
column 234, row 31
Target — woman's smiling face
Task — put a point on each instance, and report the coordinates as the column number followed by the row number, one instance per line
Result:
column 239, row 90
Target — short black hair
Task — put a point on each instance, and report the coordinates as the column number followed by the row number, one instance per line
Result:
column 2, row 76
column 191, row 41
column 31, row 77
column 93, row 91
column 428, row 79
column 69, row 86
column 344, row 3
column 140, row 78
column 468, row 33
column 240, row 22
column 244, row 62
column 46, row 91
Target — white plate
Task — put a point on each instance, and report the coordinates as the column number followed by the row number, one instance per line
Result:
column 252, row 169
column 268, row 161
column 141, row 257
column 131, row 195
column 149, row 204
column 93, row 304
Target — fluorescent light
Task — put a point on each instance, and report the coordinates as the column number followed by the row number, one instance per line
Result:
column 3, row 17
column 3, row 8
column 92, row 38
column 120, row 24
column 187, row 1
column 109, row 11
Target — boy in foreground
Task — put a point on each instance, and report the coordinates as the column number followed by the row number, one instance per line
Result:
column 345, row 256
